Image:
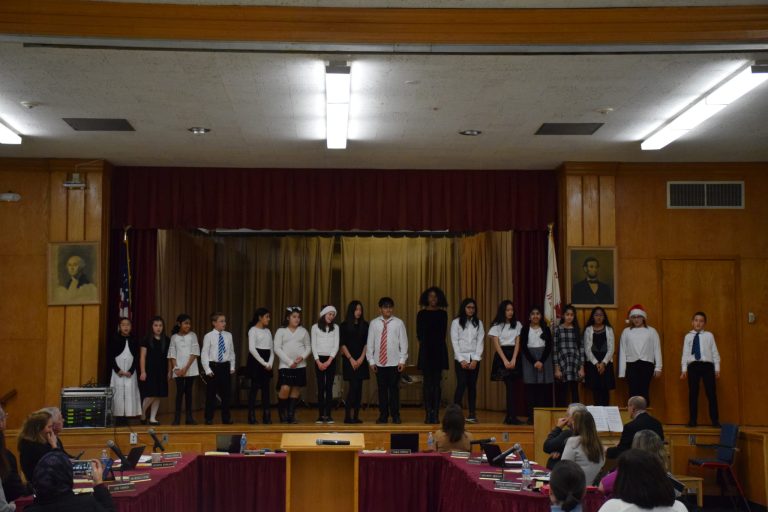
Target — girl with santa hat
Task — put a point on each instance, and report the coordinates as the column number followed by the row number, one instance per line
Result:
column 639, row 353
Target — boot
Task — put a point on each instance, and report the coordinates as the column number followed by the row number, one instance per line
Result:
column 266, row 416
column 252, row 417
column 291, row 415
column 282, row 405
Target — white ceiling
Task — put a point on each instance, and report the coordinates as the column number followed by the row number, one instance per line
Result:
column 267, row 110
column 476, row 4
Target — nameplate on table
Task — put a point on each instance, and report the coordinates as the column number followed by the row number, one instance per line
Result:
column 456, row 454
column 491, row 475
column 164, row 464
column 255, row 453
column 400, row 451
column 172, row 455
column 140, row 477
column 122, row 487
column 504, row 485
column 475, row 460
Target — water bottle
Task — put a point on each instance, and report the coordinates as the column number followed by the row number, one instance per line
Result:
column 430, row 442
column 243, row 443
column 104, row 458
column 527, row 474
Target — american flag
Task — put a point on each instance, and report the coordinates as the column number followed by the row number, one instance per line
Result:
column 124, row 308
column 552, row 303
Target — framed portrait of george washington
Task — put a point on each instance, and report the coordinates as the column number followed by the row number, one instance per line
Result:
column 73, row 273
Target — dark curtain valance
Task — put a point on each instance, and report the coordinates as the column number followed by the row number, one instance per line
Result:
column 333, row 200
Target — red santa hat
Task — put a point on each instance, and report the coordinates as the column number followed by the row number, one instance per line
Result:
column 636, row 310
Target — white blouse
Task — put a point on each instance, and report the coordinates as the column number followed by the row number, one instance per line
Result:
column 588, row 333
column 260, row 339
column 467, row 342
column 325, row 343
column 181, row 348
column 290, row 345
column 506, row 334
column 639, row 344
column 534, row 338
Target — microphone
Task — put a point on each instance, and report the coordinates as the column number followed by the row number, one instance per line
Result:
column 483, row 441
column 503, row 455
column 119, row 453
column 158, row 442
column 332, row 442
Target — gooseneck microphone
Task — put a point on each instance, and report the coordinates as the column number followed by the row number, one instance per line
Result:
column 158, row 443
column 503, row 455
column 119, row 454
column 483, row 441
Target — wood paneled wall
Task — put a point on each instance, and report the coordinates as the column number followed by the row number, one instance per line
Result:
column 42, row 348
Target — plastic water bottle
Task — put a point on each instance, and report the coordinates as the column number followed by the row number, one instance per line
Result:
column 527, row 473
column 243, row 443
column 104, row 458
column 430, row 442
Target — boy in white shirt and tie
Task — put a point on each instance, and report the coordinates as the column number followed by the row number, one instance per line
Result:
column 387, row 352
column 701, row 361
column 218, row 358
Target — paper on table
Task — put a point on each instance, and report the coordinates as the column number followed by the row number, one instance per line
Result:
column 216, row 453
column 613, row 416
column 145, row 458
column 607, row 419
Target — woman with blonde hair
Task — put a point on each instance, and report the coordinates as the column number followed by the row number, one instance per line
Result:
column 584, row 447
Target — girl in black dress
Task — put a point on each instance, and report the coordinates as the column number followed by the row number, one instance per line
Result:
column 354, row 337
column 154, row 369
column 431, row 327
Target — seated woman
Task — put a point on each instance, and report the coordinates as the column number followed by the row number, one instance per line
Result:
column 566, row 487
column 453, row 436
column 9, row 470
column 584, row 447
column 642, row 484
column 648, row 441
column 35, row 440
column 53, row 481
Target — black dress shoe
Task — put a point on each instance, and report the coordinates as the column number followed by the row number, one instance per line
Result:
column 191, row 421
column 691, row 425
column 397, row 420
column 209, row 422
column 154, row 423
column 381, row 420
column 228, row 422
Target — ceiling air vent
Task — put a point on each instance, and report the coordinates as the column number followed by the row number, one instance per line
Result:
column 568, row 128
column 705, row 194
column 89, row 124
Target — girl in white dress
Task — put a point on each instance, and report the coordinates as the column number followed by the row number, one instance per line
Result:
column 123, row 354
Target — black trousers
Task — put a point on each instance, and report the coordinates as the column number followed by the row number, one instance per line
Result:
column 538, row 395
column 388, row 382
column 466, row 380
column 573, row 388
column 509, row 384
column 697, row 371
column 639, row 376
column 220, row 384
column 184, row 391
column 433, row 393
column 325, row 386
column 355, row 393
column 258, row 384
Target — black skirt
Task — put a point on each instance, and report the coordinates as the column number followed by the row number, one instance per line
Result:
column 294, row 377
column 256, row 371
column 350, row 374
column 501, row 372
column 596, row 381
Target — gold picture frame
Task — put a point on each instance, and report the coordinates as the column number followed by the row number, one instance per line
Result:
column 74, row 273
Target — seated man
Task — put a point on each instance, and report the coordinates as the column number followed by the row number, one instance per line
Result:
column 555, row 443
column 641, row 420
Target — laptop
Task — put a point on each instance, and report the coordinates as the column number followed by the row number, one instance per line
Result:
column 492, row 451
column 229, row 443
column 133, row 458
column 404, row 441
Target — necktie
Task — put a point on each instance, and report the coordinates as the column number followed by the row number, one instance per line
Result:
column 221, row 348
column 383, row 346
column 696, row 351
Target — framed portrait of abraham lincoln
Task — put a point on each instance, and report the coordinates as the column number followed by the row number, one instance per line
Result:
column 591, row 276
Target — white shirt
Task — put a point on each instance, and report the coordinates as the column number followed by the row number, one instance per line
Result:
column 574, row 452
column 616, row 505
column 534, row 338
column 639, row 344
column 709, row 353
column 181, row 348
column 210, row 353
column 506, row 334
column 467, row 342
column 290, row 345
column 397, row 341
column 325, row 343
column 611, row 343
column 259, row 338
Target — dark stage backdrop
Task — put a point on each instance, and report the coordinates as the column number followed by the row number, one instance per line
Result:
column 152, row 198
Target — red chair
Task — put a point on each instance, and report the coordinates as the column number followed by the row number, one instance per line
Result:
column 723, row 463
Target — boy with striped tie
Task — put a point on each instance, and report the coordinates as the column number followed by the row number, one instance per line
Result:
column 218, row 358
column 387, row 352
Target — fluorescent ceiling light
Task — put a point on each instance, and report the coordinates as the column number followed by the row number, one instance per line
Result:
column 8, row 135
column 722, row 95
column 337, row 80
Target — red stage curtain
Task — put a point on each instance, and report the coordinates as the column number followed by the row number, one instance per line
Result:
column 333, row 200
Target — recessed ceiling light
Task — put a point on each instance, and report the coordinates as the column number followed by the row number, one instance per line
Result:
column 470, row 133
column 199, row 130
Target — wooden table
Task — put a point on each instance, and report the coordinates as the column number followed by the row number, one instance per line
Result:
column 695, row 484
column 321, row 477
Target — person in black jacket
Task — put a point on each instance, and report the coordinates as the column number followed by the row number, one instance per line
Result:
column 558, row 436
column 123, row 359
column 53, row 481
column 641, row 420
column 9, row 469
column 538, row 373
column 35, row 440
column 431, row 328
